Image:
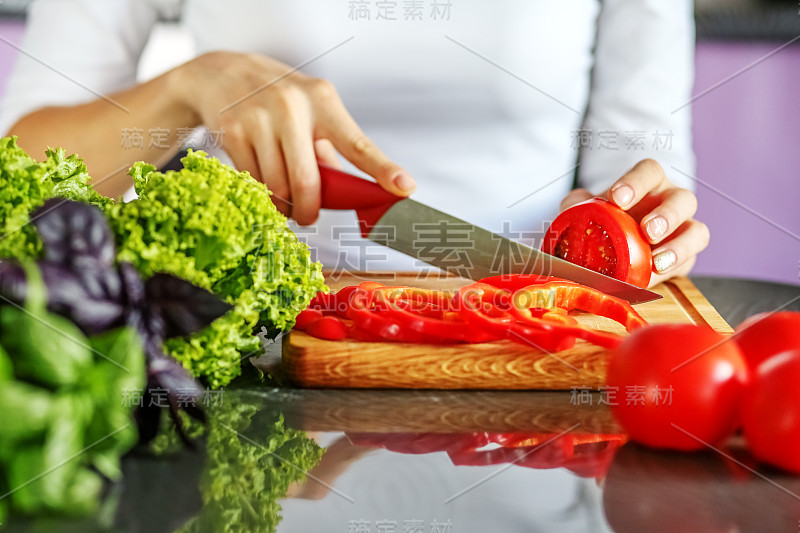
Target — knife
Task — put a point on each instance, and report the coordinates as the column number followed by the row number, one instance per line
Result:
column 452, row 244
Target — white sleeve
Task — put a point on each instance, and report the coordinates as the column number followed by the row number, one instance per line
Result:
column 74, row 51
column 643, row 75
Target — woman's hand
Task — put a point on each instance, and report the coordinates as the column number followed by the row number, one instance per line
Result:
column 665, row 213
column 279, row 124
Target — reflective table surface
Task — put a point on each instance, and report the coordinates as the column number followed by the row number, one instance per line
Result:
column 291, row 460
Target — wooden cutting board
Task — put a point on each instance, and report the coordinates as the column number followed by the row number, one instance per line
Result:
column 311, row 362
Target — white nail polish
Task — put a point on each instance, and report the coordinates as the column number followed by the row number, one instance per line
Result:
column 665, row 260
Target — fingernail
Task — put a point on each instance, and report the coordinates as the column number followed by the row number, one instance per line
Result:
column 622, row 195
column 656, row 227
column 665, row 260
column 404, row 182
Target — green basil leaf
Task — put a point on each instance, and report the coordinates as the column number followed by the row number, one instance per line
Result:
column 46, row 349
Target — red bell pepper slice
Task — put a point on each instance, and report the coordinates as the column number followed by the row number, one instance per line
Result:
column 330, row 328
column 306, row 317
column 514, row 282
column 485, row 307
column 364, row 316
column 534, row 313
column 429, row 313
column 573, row 297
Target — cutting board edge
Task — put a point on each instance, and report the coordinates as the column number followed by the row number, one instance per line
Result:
column 340, row 372
column 517, row 368
column 683, row 290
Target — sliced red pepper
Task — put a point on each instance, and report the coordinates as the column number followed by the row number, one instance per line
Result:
column 364, row 316
column 333, row 303
column 514, row 282
column 535, row 314
column 306, row 317
column 572, row 297
column 330, row 328
column 435, row 319
column 483, row 306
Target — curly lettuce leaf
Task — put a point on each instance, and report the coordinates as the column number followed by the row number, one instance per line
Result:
column 218, row 229
column 252, row 459
column 25, row 184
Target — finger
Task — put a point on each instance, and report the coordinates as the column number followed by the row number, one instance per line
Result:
column 574, row 196
column 336, row 124
column 689, row 239
column 243, row 157
column 645, row 177
column 327, row 154
column 300, row 161
column 677, row 206
column 273, row 173
column 682, row 270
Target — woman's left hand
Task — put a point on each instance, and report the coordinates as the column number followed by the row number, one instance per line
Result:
column 664, row 212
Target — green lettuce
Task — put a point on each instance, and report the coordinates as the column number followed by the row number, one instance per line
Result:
column 218, row 229
column 252, row 459
column 25, row 184
column 207, row 223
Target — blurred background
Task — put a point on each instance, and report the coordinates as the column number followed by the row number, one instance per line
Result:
column 746, row 112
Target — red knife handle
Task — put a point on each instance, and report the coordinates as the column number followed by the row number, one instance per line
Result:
column 342, row 191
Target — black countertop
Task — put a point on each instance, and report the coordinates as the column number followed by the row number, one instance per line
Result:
column 747, row 20
column 444, row 461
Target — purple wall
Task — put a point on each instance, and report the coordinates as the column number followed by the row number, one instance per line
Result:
column 747, row 139
column 10, row 30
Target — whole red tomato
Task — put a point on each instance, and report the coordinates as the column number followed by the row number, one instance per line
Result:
column 767, row 334
column 771, row 411
column 680, row 374
column 600, row 236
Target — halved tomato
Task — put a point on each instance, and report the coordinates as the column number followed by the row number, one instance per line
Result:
column 600, row 236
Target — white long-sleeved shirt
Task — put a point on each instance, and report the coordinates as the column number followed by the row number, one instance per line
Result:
column 489, row 105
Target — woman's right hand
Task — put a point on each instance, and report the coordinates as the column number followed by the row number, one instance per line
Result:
column 279, row 124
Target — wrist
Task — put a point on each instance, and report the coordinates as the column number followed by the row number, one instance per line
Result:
column 180, row 85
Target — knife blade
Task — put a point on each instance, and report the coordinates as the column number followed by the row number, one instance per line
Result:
column 450, row 243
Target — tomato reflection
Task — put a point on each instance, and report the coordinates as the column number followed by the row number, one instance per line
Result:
column 655, row 491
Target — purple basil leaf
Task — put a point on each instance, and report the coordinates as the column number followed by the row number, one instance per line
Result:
column 183, row 307
column 90, row 297
column 73, row 233
column 83, row 284
column 13, row 283
column 93, row 309
column 173, row 378
column 168, row 385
